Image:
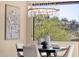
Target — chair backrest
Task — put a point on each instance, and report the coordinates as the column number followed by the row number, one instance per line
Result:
column 19, row 47
column 31, row 51
column 69, row 51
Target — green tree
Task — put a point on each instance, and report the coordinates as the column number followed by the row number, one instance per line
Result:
column 44, row 26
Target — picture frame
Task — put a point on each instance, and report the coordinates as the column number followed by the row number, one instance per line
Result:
column 12, row 22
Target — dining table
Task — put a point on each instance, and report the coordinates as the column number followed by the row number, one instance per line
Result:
column 53, row 50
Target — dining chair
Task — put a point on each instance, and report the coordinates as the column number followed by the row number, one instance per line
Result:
column 31, row 51
column 69, row 51
column 19, row 48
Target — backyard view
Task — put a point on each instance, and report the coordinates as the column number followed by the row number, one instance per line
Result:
column 55, row 28
column 60, row 22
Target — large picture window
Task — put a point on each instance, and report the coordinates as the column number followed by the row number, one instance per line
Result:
column 58, row 20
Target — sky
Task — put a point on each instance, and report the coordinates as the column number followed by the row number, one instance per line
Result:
column 69, row 11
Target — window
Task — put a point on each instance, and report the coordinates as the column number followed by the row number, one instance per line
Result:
column 58, row 20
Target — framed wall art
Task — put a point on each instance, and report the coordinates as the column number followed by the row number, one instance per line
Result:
column 12, row 22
